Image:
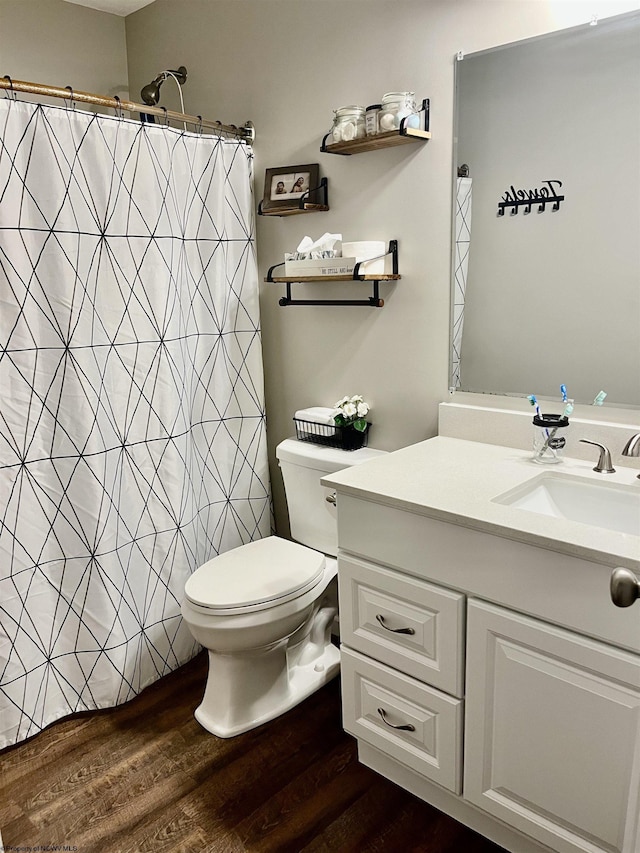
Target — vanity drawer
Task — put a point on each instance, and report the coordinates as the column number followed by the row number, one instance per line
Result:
column 376, row 700
column 403, row 621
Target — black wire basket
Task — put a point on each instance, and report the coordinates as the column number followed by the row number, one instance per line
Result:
column 344, row 438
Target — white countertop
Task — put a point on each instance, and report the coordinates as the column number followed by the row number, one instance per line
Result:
column 456, row 481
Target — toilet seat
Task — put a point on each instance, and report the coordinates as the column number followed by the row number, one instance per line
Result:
column 255, row 576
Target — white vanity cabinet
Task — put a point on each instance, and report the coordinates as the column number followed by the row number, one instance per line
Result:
column 552, row 732
column 492, row 677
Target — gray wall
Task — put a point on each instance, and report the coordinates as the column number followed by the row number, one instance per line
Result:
column 286, row 64
column 49, row 41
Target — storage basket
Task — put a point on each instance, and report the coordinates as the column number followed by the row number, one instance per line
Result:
column 344, row 438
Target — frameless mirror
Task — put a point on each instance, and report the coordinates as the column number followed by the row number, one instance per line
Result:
column 546, row 273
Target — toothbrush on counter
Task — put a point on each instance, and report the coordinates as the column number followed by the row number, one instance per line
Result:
column 568, row 408
column 534, row 402
column 532, row 399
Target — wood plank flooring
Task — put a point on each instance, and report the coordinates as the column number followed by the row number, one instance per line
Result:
column 146, row 777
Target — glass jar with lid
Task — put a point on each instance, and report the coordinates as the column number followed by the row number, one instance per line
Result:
column 395, row 107
column 371, row 119
column 348, row 124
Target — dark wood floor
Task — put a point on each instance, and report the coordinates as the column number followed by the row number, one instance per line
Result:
column 146, row 777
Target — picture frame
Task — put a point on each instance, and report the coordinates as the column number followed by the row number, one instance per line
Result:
column 284, row 186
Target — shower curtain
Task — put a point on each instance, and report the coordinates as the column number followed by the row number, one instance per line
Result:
column 132, row 428
column 463, row 244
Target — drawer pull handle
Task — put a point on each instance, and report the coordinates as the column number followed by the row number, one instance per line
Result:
column 625, row 587
column 331, row 499
column 380, row 619
column 407, row 728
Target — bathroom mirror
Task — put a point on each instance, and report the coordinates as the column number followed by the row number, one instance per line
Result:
column 549, row 293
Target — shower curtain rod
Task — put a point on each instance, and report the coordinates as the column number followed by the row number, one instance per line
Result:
column 246, row 132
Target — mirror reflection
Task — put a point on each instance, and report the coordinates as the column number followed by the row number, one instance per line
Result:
column 546, row 285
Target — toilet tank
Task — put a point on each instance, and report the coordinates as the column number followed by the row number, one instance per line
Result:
column 312, row 519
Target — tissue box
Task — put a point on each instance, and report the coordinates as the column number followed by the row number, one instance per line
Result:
column 320, row 267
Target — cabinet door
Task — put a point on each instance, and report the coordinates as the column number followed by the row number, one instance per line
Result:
column 552, row 738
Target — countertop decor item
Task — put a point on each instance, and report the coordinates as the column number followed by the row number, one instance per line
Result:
column 352, row 412
column 286, row 186
column 351, row 426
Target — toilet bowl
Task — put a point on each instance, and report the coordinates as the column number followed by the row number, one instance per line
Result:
column 264, row 610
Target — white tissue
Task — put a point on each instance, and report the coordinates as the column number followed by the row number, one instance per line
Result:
column 327, row 246
column 316, row 415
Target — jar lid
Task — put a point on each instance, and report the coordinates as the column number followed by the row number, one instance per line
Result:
column 397, row 96
column 553, row 421
column 374, row 107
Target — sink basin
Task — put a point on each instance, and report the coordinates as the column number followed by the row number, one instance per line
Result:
column 600, row 504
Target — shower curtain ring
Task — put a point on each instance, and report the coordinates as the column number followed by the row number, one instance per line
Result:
column 72, row 103
column 166, row 118
column 199, row 125
column 118, row 108
column 12, row 93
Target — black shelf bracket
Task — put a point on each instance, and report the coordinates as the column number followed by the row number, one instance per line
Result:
column 317, row 195
column 425, row 121
column 324, row 143
column 373, row 301
column 392, row 250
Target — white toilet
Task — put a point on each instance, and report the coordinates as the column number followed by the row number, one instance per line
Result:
column 264, row 610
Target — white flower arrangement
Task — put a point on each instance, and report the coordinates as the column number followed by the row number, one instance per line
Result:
column 351, row 412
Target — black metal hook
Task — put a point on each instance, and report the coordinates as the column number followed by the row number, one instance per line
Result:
column 312, row 193
column 12, row 93
column 72, row 103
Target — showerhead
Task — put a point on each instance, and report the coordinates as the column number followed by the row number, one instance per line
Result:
column 150, row 93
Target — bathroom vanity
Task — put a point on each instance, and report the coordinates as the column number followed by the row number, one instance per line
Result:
column 485, row 667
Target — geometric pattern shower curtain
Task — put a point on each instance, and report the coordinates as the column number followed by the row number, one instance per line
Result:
column 132, row 427
column 461, row 266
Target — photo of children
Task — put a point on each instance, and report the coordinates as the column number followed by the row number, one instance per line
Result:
column 292, row 185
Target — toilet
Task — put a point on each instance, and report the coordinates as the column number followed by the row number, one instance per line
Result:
column 264, row 611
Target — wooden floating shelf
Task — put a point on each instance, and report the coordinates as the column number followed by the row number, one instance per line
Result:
column 382, row 140
column 373, row 301
column 298, row 279
column 293, row 211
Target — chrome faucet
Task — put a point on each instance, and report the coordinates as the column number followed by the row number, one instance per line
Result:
column 604, row 465
column 632, row 447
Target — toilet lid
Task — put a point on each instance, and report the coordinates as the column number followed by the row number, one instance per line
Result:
column 268, row 570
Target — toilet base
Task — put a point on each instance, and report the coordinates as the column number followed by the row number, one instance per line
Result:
column 291, row 683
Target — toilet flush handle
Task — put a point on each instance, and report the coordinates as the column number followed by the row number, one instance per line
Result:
column 331, row 499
